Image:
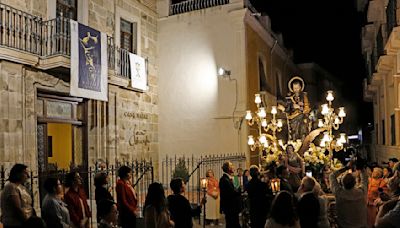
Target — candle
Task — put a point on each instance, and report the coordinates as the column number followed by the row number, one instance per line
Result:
column 204, row 183
column 275, row 185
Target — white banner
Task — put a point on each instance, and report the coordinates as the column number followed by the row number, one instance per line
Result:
column 138, row 72
column 89, row 69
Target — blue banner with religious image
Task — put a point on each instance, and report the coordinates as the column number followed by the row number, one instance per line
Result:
column 88, row 62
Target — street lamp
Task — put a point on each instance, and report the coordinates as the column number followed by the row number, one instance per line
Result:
column 204, row 185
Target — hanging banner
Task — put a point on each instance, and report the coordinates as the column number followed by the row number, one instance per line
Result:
column 138, row 72
column 89, row 68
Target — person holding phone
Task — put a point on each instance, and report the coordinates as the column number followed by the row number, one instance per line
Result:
column 351, row 203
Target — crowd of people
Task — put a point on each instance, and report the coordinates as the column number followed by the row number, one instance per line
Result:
column 364, row 196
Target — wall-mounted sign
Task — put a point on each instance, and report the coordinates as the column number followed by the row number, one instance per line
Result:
column 135, row 115
column 139, row 137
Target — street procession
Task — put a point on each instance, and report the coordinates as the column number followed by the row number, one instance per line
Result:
column 199, row 113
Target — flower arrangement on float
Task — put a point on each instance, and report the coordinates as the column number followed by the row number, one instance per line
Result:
column 315, row 160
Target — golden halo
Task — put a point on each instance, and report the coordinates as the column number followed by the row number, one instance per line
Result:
column 291, row 81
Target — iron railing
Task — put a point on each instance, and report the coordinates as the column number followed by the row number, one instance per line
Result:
column 25, row 32
column 20, row 30
column 196, row 167
column 192, row 5
column 391, row 18
column 56, row 37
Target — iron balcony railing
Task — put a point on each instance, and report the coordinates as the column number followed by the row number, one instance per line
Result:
column 25, row 32
column 20, row 30
column 192, row 5
column 391, row 18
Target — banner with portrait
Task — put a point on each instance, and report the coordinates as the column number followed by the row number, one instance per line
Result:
column 138, row 72
column 89, row 68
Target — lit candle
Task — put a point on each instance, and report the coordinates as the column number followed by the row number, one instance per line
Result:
column 325, row 109
column 326, row 137
column 263, row 139
column 248, row 115
column 204, row 183
column 275, row 185
column 330, row 97
column 342, row 113
column 264, row 123
column 274, row 110
column 257, row 100
column 320, row 123
column 337, row 121
column 279, row 124
column 262, row 113
column 250, row 141
column 342, row 138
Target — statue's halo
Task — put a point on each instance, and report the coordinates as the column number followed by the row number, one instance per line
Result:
column 290, row 83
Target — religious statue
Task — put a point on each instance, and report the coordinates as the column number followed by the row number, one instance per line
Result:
column 297, row 108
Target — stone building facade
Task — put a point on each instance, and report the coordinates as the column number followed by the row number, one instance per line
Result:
column 35, row 92
column 380, row 46
column 200, row 112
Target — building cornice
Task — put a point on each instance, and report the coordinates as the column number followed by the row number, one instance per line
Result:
column 266, row 35
column 393, row 44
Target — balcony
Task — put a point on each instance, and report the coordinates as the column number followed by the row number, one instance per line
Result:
column 192, row 5
column 46, row 45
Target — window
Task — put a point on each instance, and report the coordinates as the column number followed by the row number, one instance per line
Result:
column 128, row 36
column 262, row 74
column 393, row 129
column 68, row 8
column 383, row 132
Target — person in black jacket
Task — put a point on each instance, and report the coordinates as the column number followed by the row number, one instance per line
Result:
column 230, row 197
column 260, row 198
column 179, row 206
column 101, row 192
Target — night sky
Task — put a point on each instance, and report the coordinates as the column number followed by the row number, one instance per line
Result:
column 328, row 33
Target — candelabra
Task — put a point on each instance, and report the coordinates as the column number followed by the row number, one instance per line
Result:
column 275, row 125
column 331, row 121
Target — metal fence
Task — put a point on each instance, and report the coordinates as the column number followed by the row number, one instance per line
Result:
column 143, row 176
column 26, row 32
column 193, row 169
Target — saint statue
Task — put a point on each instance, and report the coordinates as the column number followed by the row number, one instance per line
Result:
column 297, row 108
